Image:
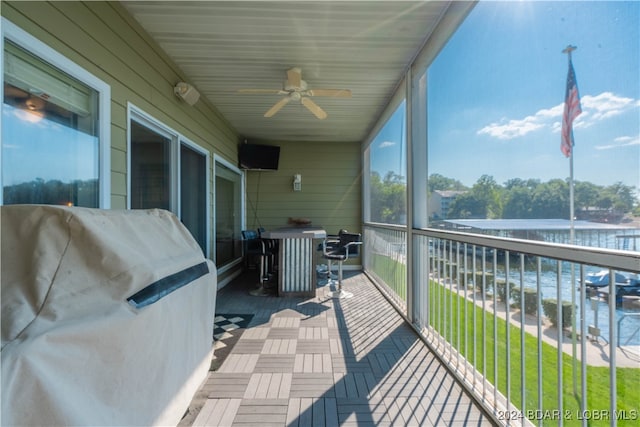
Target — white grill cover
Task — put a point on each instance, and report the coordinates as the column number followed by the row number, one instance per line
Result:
column 74, row 352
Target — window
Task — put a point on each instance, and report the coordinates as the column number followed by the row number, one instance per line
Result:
column 387, row 183
column 150, row 168
column 55, row 119
column 166, row 171
column 194, row 173
column 229, row 212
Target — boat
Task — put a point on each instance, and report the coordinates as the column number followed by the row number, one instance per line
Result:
column 597, row 285
column 601, row 279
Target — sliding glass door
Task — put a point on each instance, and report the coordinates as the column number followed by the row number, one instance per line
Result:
column 228, row 211
column 193, row 192
column 169, row 172
column 150, row 168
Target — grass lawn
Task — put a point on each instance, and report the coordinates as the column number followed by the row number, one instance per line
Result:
column 472, row 325
column 470, row 322
column 392, row 272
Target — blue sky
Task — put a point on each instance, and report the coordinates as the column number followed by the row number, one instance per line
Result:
column 496, row 94
column 37, row 147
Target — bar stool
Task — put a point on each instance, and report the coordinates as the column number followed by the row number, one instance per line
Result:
column 331, row 242
column 348, row 244
column 271, row 247
column 254, row 246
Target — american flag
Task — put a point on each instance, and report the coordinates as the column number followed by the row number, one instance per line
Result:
column 571, row 111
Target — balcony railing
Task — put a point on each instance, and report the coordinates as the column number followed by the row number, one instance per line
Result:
column 517, row 321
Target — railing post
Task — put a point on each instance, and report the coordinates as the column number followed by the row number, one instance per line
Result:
column 444, row 307
column 613, row 347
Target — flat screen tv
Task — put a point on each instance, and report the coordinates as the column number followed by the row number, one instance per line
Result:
column 258, row 157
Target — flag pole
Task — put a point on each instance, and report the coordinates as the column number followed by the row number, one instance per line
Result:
column 568, row 51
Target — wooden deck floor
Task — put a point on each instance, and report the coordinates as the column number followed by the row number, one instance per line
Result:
column 328, row 362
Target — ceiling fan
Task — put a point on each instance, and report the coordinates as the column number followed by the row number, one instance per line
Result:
column 295, row 89
column 23, row 98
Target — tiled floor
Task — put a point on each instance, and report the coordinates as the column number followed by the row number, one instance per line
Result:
column 328, row 362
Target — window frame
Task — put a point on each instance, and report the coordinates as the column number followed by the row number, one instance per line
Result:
column 26, row 41
column 217, row 159
column 399, row 97
column 207, row 158
column 144, row 119
column 177, row 140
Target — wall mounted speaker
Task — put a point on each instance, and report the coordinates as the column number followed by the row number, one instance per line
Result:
column 187, row 92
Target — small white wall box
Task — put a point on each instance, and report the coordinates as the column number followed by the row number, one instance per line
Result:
column 297, row 182
column 187, row 92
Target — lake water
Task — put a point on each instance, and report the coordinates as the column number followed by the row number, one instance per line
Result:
column 596, row 312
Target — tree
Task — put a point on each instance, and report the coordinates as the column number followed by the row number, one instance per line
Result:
column 468, row 205
column 622, row 196
column 530, row 184
column 585, row 195
column 530, row 198
column 438, row 182
column 517, row 203
column 53, row 192
column 388, row 198
column 551, row 200
column 488, row 190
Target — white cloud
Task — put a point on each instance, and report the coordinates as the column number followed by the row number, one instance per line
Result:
column 594, row 109
column 623, row 141
column 512, row 128
column 602, row 107
column 386, row 144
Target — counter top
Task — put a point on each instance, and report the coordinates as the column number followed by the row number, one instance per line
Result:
column 296, row 233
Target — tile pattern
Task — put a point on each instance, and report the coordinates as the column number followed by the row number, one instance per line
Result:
column 325, row 362
column 226, row 327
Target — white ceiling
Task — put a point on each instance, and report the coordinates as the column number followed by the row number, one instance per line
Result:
column 224, row 46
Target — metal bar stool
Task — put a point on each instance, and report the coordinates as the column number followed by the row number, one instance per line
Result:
column 330, row 242
column 254, row 246
column 348, row 245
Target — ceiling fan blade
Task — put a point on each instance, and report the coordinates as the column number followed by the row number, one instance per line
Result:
column 264, row 91
column 294, row 77
column 314, row 108
column 336, row 93
column 277, row 106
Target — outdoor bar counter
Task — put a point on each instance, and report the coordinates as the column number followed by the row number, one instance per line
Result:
column 296, row 271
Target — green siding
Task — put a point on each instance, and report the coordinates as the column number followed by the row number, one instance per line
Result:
column 102, row 38
column 105, row 40
column 331, row 194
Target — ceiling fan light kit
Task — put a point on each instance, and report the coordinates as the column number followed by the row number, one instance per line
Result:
column 296, row 89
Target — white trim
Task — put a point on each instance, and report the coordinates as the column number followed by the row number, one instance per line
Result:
column 217, row 159
column 145, row 119
column 25, row 40
column 366, row 183
column 207, row 170
column 230, row 265
column 419, row 155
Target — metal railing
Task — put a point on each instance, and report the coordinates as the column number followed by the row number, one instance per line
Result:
column 636, row 332
column 385, row 257
column 518, row 322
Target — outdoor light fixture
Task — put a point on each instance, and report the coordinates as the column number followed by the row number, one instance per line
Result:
column 297, row 182
column 186, row 92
